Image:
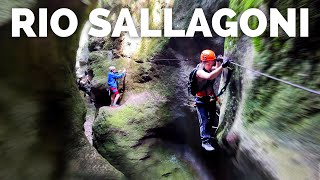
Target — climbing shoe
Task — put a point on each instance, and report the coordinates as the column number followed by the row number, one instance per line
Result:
column 207, row 146
column 115, row 105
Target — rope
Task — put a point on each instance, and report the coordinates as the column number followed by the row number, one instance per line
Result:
column 166, row 59
column 263, row 74
column 280, row 80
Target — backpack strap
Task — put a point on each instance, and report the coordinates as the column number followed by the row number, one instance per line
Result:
column 194, row 71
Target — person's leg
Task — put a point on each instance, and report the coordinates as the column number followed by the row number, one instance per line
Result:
column 204, row 131
column 115, row 96
column 112, row 99
column 116, row 99
column 213, row 118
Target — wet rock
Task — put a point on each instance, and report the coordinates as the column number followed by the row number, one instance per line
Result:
column 96, row 43
column 109, row 55
column 116, row 53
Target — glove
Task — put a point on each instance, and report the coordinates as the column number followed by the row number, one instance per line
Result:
column 226, row 62
column 124, row 71
column 220, row 58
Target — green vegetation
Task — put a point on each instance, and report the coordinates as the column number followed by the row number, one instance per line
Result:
column 120, row 134
column 272, row 108
column 287, row 115
column 239, row 7
column 101, row 64
column 119, row 131
column 275, row 104
column 124, row 135
column 133, row 119
column 149, row 47
column 280, row 106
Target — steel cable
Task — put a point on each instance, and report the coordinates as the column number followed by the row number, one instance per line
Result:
column 263, row 74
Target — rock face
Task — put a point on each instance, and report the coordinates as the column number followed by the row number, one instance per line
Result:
column 258, row 122
column 42, row 113
column 156, row 111
column 276, row 122
column 83, row 51
column 128, row 137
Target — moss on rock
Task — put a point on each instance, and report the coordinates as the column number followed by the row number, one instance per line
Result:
column 285, row 113
column 124, row 136
column 42, row 113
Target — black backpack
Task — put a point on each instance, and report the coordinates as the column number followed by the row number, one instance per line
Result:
column 192, row 83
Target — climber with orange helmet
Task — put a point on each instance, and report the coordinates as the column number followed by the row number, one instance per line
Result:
column 205, row 98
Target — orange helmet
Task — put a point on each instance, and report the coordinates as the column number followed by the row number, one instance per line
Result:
column 207, row 55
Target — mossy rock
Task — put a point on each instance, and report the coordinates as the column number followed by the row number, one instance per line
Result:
column 107, row 45
column 285, row 113
column 141, row 75
column 99, row 56
column 121, row 135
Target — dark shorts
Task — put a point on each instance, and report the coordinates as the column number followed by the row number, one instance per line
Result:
column 114, row 90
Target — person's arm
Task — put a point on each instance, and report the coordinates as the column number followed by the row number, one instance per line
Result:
column 216, row 70
column 218, row 64
column 118, row 75
column 209, row 76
